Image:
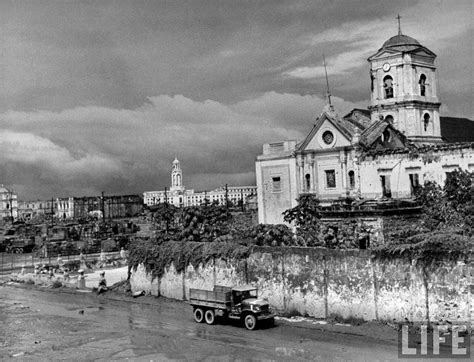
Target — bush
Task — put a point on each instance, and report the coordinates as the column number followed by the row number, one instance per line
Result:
column 56, row 284
column 156, row 257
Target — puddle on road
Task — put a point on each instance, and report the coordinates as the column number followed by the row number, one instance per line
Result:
column 203, row 333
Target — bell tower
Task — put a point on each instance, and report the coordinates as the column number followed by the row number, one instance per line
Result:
column 404, row 88
column 176, row 176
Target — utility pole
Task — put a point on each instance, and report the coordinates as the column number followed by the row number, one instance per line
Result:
column 52, row 213
column 102, row 207
column 242, row 199
column 166, row 209
column 227, row 201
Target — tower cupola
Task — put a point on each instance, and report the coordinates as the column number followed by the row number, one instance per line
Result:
column 404, row 88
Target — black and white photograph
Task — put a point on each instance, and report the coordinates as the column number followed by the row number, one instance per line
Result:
column 236, row 180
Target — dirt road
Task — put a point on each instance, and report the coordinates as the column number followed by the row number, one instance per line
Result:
column 44, row 325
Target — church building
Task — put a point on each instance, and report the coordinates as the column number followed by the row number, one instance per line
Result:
column 381, row 153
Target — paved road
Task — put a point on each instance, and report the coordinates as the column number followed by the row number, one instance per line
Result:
column 44, row 325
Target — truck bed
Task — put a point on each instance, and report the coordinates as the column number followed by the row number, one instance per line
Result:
column 209, row 298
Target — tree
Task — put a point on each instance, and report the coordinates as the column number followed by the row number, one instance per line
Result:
column 305, row 216
column 165, row 213
column 450, row 206
column 204, row 223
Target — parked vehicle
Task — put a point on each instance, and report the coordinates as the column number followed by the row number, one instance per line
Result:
column 19, row 244
column 18, row 238
column 238, row 303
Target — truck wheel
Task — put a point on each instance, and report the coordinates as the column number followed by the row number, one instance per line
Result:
column 250, row 322
column 210, row 316
column 198, row 315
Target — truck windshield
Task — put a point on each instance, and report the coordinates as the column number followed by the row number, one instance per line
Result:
column 249, row 294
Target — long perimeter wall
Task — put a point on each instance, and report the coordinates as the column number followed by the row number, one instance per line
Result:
column 319, row 282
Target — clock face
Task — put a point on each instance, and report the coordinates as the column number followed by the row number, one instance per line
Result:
column 386, row 67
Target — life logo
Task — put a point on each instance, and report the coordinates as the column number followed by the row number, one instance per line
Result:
column 420, row 340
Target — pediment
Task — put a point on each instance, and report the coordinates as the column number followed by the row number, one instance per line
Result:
column 326, row 134
column 383, row 53
column 424, row 52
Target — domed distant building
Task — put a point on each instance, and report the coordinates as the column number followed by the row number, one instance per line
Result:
column 383, row 152
column 179, row 196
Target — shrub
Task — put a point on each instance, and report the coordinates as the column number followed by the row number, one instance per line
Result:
column 56, row 284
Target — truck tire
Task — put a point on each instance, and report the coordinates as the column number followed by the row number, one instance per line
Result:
column 250, row 322
column 198, row 315
column 209, row 316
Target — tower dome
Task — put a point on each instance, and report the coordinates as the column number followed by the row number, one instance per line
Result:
column 401, row 42
column 176, row 176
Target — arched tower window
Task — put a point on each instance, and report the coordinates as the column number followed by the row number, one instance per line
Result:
column 388, row 86
column 308, row 182
column 426, row 121
column 389, row 119
column 422, row 85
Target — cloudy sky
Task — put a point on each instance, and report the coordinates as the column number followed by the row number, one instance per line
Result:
column 102, row 95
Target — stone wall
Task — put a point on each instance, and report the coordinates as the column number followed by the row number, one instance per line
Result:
column 319, row 282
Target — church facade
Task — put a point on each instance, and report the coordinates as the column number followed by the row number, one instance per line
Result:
column 383, row 152
column 179, row 196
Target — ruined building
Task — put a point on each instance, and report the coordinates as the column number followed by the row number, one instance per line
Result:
column 383, row 152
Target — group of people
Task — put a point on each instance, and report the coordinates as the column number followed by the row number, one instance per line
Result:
column 102, row 285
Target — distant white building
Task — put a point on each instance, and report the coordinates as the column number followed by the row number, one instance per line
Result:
column 28, row 210
column 8, row 203
column 177, row 194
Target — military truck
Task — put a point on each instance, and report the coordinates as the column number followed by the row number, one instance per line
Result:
column 237, row 303
column 16, row 240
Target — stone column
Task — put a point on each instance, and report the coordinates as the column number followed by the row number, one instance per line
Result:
column 300, row 163
column 311, row 167
column 342, row 160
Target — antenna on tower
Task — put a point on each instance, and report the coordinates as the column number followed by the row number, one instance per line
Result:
column 327, row 84
column 399, row 24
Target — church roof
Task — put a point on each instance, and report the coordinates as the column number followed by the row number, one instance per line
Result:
column 454, row 129
column 402, row 44
column 401, row 40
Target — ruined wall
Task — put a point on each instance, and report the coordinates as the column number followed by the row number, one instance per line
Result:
column 319, row 282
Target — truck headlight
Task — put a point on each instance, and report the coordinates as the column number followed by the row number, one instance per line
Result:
column 256, row 308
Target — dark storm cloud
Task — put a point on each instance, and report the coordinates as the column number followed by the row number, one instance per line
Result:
column 102, row 95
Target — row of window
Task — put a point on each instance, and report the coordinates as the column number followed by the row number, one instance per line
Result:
column 388, row 86
column 331, row 182
column 389, row 118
